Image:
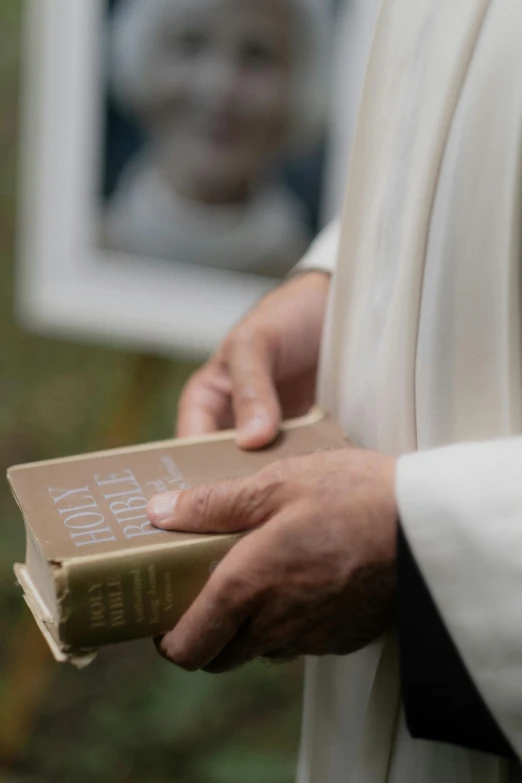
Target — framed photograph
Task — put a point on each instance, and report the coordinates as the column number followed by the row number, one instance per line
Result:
column 172, row 157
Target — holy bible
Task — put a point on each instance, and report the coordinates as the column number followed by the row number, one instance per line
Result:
column 96, row 572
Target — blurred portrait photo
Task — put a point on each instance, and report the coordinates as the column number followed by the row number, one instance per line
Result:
column 216, row 113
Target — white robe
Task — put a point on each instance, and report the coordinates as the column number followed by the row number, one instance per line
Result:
column 422, row 349
column 354, row 29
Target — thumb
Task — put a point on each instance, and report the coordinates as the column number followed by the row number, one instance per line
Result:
column 223, row 507
column 257, row 411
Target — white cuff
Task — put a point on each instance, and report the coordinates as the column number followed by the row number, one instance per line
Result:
column 322, row 253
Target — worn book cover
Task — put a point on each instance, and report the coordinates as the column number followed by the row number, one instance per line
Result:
column 96, row 571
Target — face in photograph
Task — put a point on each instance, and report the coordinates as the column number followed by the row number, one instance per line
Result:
column 222, row 91
column 219, row 80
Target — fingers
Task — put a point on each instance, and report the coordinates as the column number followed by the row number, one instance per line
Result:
column 235, row 389
column 205, row 404
column 255, row 401
column 254, row 639
column 241, row 613
column 225, row 626
column 223, row 507
column 200, row 635
column 233, row 591
column 213, row 620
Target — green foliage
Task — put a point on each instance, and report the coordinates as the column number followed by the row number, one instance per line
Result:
column 130, row 717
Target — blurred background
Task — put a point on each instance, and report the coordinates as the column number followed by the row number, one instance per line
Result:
column 233, row 135
column 130, row 716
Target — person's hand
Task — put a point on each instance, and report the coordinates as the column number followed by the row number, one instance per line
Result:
column 264, row 370
column 316, row 574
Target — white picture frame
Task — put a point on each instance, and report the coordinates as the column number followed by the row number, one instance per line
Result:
column 67, row 285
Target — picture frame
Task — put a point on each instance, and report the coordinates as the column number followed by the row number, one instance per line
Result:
column 66, row 284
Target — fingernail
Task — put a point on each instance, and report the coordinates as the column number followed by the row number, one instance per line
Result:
column 254, row 426
column 162, row 507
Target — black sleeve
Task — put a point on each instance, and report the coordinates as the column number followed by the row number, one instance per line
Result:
column 441, row 700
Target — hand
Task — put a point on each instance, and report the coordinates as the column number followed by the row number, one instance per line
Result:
column 314, row 576
column 265, row 369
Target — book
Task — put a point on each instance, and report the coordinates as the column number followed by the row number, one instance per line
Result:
column 96, row 572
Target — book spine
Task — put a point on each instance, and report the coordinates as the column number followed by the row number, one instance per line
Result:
column 132, row 595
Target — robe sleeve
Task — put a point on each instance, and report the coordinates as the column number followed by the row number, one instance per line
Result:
column 322, row 253
column 460, row 594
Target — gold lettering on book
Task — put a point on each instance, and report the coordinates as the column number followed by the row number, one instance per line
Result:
column 81, row 514
column 137, row 605
column 175, row 476
column 152, row 594
column 169, row 593
column 86, row 521
column 97, row 614
column 130, row 509
column 116, row 605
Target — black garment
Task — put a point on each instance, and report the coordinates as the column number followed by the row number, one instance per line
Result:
column 441, row 700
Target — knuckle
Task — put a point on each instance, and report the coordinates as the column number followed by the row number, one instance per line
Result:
column 239, row 589
column 276, row 481
column 276, row 473
column 249, row 340
column 193, row 385
column 232, row 586
column 247, row 395
column 237, row 338
column 249, row 505
column 253, row 500
column 199, row 506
